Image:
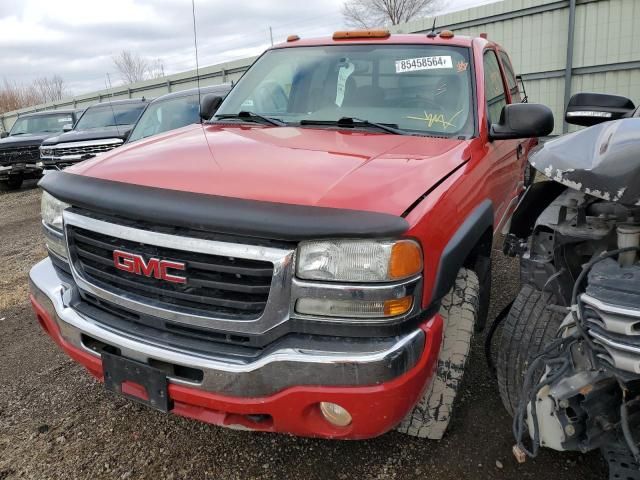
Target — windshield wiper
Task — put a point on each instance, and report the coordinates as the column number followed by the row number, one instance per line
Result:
column 245, row 115
column 358, row 122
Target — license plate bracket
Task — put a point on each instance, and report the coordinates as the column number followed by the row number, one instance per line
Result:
column 136, row 381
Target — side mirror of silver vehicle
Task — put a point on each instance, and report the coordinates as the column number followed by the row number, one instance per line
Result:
column 67, row 127
column 588, row 109
column 523, row 120
column 209, row 105
column 4, row 134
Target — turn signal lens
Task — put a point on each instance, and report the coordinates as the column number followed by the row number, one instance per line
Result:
column 446, row 34
column 397, row 306
column 406, row 259
column 335, row 414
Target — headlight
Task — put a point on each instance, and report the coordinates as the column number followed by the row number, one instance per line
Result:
column 52, row 209
column 359, row 260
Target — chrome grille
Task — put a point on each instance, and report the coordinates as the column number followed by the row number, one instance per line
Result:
column 19, row 155
column 232, row 286
column 78, row 149
column 229, row 287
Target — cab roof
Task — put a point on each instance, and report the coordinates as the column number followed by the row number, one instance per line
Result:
column 393, row 39
column 43, row 113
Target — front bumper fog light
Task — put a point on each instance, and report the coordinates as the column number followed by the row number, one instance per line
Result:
column 335, row 414
column 354, row 308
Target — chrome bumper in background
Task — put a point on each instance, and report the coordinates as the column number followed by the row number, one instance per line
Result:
column 340, row 361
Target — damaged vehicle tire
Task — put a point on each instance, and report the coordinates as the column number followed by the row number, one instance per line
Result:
column 459, row 311
column 529, row 326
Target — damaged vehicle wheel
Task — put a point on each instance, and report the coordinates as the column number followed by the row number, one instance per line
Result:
column 430, row 417
column 529, row 326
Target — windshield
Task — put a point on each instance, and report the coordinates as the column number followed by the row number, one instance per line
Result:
column 41, row 124
column 167, row 115
column 110, row 116
column 417, row 88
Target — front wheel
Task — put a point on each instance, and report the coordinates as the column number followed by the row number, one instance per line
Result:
column 430, row 417
column 14, row 182
column 528, row 328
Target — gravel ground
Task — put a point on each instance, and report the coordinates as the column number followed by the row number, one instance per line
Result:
column 58, row 423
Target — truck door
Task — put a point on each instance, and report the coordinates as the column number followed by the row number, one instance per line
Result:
column 507, row 176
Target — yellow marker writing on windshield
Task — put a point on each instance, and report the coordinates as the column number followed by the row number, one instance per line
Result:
column 436, row 119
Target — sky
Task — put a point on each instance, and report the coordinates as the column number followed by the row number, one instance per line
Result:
column 77, row 39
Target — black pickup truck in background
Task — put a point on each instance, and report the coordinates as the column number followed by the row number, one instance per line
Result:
column 102, row 127
column 19, row 148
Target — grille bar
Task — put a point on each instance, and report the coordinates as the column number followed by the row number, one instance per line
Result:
column 20, row 154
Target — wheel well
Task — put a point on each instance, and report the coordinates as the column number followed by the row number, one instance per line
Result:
column 481, row 250
column 470, row 242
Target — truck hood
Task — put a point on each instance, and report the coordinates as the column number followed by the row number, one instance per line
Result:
column 28, row 140
column 90, row 134
column 304, row 166
column 603, row 160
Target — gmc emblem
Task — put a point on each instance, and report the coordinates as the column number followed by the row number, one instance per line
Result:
column 154, row 267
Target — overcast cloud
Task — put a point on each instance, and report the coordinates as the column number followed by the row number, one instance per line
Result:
column 76, row 39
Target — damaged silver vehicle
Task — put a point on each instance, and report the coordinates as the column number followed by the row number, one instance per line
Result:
column 568, row 359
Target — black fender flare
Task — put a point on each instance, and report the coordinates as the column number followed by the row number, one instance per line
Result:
column 460, row 247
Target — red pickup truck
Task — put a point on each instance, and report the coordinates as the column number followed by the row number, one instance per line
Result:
column 313, row 258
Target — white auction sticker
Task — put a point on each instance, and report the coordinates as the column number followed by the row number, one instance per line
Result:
column 423, row 63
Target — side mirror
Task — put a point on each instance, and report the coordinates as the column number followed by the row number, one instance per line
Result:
column 127, row 134
column 4, row 134
column 588, row 109
column 67, row 127
column 523, row 120
column 209, row 105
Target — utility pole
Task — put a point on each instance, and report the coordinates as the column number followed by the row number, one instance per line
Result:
column 271, row 35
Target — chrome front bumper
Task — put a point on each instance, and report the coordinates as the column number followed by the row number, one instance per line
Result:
column 340, row 362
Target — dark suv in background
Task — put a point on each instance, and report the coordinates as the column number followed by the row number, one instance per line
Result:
column 174, row 110
column 102, row 127
column 19, row 147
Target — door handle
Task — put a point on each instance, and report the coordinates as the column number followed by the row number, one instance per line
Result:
column 519, row 151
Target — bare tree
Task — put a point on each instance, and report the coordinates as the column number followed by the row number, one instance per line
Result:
column 14, row 96
column 378, row 13
column 156, row 69
column 132, row 67
column 135, row 68
column 50, row 89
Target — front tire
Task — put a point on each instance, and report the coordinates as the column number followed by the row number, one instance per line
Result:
column 430, row 417
column 528, row 328
column 12, row 183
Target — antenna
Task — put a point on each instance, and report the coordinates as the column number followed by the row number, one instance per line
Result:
column 115, row 122
column 432, row 33
column 195, row 44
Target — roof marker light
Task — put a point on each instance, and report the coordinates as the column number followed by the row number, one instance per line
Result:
column 446, row 34
column 361, row 34
column 293, row 38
